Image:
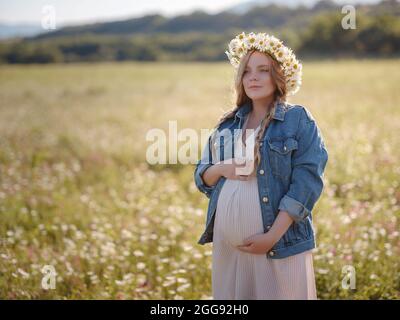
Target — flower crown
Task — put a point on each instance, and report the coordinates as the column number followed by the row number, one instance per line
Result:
column 292, row 68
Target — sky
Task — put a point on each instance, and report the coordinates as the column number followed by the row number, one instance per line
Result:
column 70, row 12
column 78, row 11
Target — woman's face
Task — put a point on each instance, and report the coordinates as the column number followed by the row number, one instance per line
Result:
column 258, row 74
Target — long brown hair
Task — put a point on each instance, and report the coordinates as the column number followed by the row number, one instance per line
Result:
column 241, row 98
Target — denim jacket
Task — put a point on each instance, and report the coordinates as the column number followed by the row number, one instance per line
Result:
column 289, row 176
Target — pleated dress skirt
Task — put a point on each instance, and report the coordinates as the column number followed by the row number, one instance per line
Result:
column 238, row 275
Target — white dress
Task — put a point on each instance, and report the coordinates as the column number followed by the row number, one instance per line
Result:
column 242, row 275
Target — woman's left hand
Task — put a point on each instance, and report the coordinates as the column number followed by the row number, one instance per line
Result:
column 258, row 243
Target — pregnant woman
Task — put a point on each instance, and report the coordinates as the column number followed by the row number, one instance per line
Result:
column 259, row 216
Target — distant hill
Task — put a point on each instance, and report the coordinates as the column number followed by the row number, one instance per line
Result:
column 271, row 16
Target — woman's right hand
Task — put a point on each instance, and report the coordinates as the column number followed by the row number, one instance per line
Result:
column 235, row 170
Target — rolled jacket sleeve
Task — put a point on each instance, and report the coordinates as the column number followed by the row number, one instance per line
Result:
column 309, row 162
column 202, row 165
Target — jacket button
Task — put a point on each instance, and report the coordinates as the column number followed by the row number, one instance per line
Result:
column 261, row 143
column 271, row 253
column 268, row 227
column 265, row 199
column 261, row 171
column 284, row 148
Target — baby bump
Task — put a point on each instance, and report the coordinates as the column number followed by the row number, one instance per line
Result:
column 238, row 213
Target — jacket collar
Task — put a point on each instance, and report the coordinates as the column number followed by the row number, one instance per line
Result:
column 279, row 113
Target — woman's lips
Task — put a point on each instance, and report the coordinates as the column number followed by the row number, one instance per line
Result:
column 255, row 87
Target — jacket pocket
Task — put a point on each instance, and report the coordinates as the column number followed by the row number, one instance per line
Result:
column 280, row 154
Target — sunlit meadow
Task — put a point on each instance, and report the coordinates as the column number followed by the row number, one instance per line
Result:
column 77, row 193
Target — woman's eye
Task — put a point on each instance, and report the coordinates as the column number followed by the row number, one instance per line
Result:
column 264, row 70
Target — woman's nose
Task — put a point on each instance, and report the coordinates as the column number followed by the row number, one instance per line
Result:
column 253, row 77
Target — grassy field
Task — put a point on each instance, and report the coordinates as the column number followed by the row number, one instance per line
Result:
column 77, row 193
